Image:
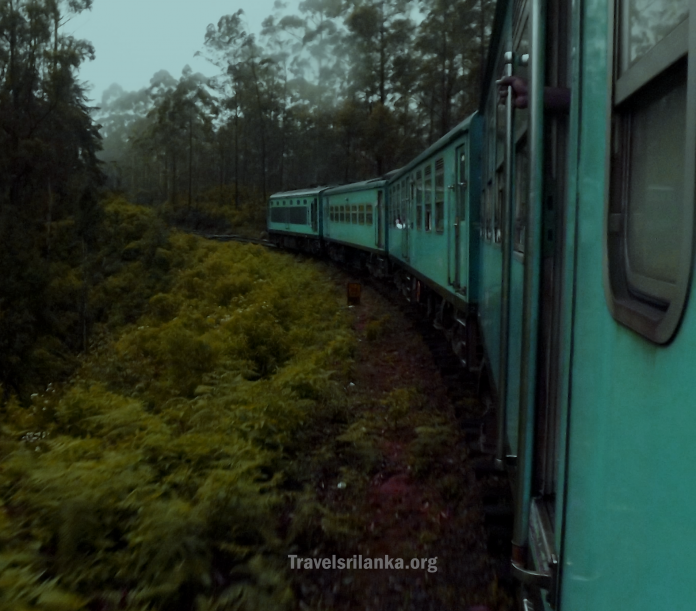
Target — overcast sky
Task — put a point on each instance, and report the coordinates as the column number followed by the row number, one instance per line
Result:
column 134, row 39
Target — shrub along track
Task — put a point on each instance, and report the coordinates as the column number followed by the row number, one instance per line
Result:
column 403, row 476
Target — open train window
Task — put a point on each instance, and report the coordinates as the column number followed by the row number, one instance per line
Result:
column 649, row 225
column 428, row 192
column 405, row 207
column 499, row 203
column 521, row 195
column 419, row 200
column 490, row 202
column 440, row 195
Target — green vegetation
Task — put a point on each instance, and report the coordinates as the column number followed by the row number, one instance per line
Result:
column 156, row 476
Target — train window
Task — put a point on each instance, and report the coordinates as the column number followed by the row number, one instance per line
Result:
column 368, row 214
column 428, row 196
column 440, row 195
column 521, row 195
column 341, row 214
column 404, row 203
column 488, row 221
column 649, row 228
column 361, row 214
column 419, row 200
column 498, row 210
column 645, row 24
column 354, row 214
column 490, row 140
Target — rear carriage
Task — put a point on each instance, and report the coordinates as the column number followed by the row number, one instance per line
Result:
column 295, row 217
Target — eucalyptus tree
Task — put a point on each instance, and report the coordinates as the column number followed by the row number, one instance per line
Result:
column 380, row 36
column 452, row 40
column 179, row 123
column 252, row 77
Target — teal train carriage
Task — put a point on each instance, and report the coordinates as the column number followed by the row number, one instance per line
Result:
column 295, row 218
column 587, row 308
column 354, row 227
column 434, row 231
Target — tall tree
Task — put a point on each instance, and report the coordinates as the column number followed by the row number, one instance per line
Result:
column 48, row 146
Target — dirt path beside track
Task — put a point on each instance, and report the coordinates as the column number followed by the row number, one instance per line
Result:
column 398, row 479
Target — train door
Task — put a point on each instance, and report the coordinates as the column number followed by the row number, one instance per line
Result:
column 460, row 234
column 315, row 221
column 537, row 540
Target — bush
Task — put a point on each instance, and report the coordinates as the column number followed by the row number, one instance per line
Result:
column 154, row 479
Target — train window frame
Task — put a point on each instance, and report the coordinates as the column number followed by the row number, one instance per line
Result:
column 647, row 304
column 361, row 214
column 428, row 197
column 353, row 214
column 405, row 200
column 368, row 215
column 419, row 200
column 521, row 169
column 439, row 194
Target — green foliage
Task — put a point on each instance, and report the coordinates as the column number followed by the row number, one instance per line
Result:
column 157, row 473
column 377, row 328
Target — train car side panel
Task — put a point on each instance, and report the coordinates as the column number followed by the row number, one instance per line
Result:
column 629, row 528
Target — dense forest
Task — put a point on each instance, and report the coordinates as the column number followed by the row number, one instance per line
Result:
column 337, row 91
column 155, row 387
column 341, row 90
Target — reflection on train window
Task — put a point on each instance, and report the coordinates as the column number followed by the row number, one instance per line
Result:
column 649, row 233
column 440, row 195
column 354, row 214
column 428, row 194
column 645, row 23
column 521, row 195
column 368, row 214
column 361, row 214
column 656, row 192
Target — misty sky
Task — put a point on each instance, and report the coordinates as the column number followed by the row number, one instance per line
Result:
column 136, row 38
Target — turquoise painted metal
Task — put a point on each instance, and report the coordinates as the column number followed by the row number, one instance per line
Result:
column 355, row 215
column 433, row 215
column 512, row 211
column 296, row 213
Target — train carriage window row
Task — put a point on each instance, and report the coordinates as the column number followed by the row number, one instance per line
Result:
column 285, row 211
column 650, row 207
column 354, row 214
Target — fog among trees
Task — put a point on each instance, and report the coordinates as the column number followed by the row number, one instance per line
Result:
column 331, row 92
